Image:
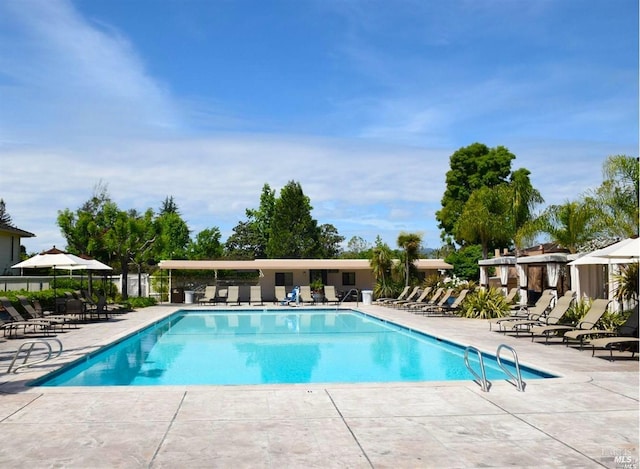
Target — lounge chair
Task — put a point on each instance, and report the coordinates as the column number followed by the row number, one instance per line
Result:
column 628, row 329
column 401, row 296
column 551, row 319
column 511, row 296
column 535, row 312
column 281, row 295
column 100, row 310
column 233, row 295
column 255, row 295
column 611, row 343
column 597, row 309
column 420, row 301
column 14, row 320
column 56, row 320
column 209, row 295
column 514, row 305
column 330, row 294
column 305, row 294
column 432, row 301
column 410, row 297
column 455, row 306
column 437, row 307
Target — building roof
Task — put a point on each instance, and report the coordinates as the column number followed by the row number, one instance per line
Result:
column 501, row 260
column 290, row 264
column 4, row 228
column 557, row 257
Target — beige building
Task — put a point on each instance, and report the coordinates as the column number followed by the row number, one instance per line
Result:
column 344, row 274
column 10, row 246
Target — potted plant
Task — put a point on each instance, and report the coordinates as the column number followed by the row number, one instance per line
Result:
column 317, row 290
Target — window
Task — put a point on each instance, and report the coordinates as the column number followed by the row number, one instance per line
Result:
column 284, row 279
column 348, row 278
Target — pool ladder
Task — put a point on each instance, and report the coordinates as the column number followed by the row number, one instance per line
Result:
column 347, row 295
column 481, row 379
column 25, row 350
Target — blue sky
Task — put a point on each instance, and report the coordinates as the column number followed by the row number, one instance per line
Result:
column 361, row 102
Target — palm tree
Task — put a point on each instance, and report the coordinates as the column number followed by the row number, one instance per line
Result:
column 381, row 262
column 524, row 199
column 570, row 224
column 617, row 199
column 410, row 243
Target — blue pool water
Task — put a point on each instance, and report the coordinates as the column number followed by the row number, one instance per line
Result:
column 273, row 346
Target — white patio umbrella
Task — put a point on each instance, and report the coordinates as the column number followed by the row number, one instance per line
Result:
column 53, row 259
column 90, row 265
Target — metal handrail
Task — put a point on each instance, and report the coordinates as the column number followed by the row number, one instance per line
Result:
column 480, row 380
column 515, row 380
column 28, row 347
column 347, row 296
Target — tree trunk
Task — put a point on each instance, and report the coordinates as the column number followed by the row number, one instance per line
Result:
column 125, row 278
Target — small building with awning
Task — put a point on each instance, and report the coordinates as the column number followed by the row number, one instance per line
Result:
column 344, row 274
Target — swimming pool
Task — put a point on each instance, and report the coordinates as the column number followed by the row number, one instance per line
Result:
column 272, row 347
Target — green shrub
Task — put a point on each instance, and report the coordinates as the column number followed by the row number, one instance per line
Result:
column 613, row 321
column 140, row 302
column 576, row 311
column 484, row 304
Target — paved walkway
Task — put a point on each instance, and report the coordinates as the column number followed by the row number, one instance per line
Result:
column 586, row 418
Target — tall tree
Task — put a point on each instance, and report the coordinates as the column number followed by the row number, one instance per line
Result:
column 465, row 262
column 410, row 244
column 330, row 241
column 471, row 168
column 294, row 232
column 206, row 245
column 174, row 232
column 169, row 206
column 486, row 218
column 142, row 241
column 261, row 219
column 244, row 242
column 5, row 218
column 357, row 248
column 249, row 239
column 84, row 230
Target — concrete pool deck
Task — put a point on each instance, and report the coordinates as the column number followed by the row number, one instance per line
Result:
column 588, row 417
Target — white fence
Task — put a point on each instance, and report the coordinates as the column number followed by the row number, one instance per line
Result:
column 45, row 282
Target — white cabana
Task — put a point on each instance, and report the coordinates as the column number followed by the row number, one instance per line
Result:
column 552, row 262
column 592, row 274
column 502, row 265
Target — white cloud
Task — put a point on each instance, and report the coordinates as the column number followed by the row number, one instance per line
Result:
column 74, row 81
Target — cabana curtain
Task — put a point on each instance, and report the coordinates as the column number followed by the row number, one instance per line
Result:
column 553, row 274
column 504, row 277
column 483, row 276
column 522, row 282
